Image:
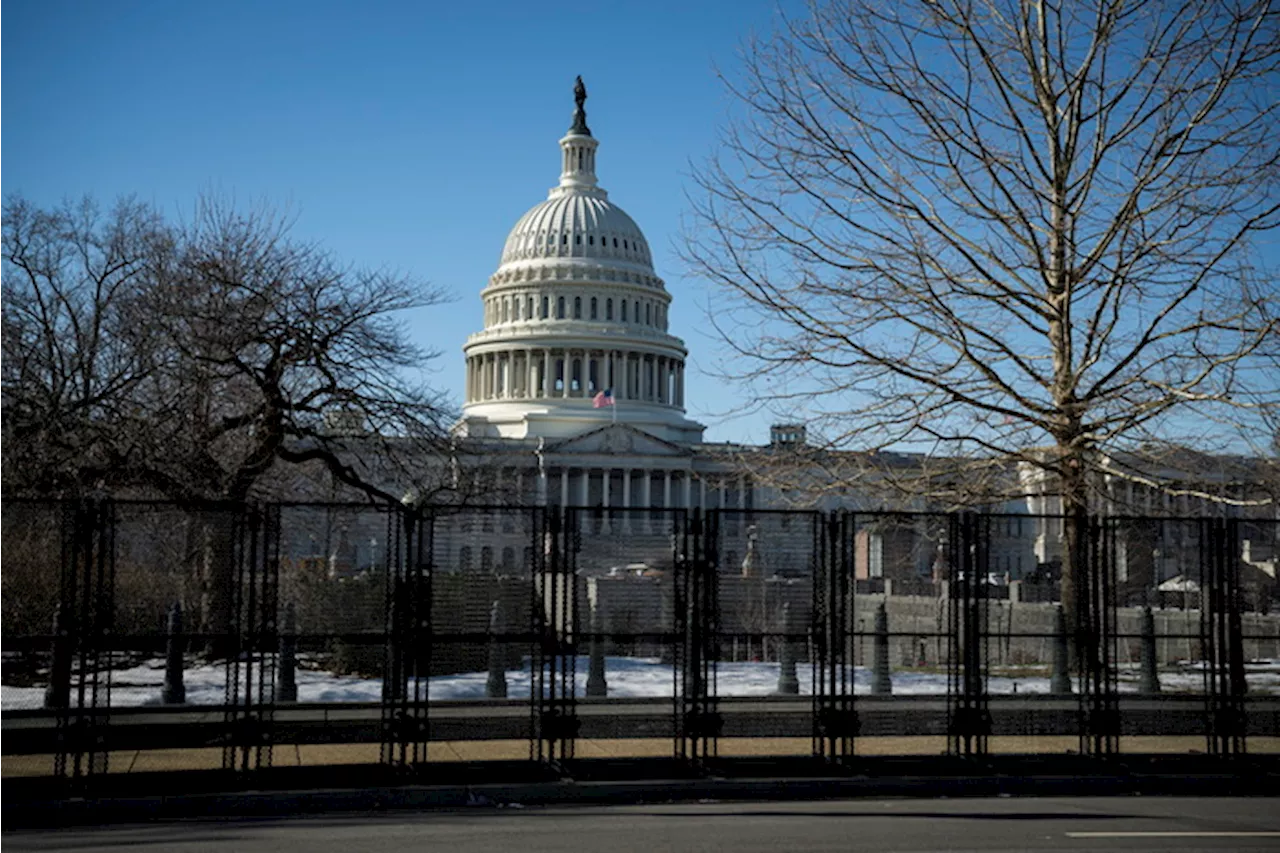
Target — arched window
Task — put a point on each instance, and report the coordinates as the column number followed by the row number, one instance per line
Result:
column 648, row 319
column 637, row 310
column 464, row 558
column 624, row 310
column 504, row 310
column 608, row 309
column 560, row 308
column 529, row 313
column 508, row 558
column 594, row 312
column 486, row 559
column 577, row 307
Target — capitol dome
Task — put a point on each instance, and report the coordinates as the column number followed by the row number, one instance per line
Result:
column 575, row 311
column 577, row 225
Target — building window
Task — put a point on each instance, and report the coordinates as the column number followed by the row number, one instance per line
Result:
column 593, row 309
column 648, row 316
column 560, row 308
column 546, row 306
column 624, row 310
column 464, row 558
column 608, row 309
column 577, row 307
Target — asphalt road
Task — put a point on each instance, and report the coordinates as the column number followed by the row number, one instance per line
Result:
column 986, row 825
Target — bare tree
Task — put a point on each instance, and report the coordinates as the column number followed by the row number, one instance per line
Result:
column 1010, row 230
column 218, row 360
column 77, row 346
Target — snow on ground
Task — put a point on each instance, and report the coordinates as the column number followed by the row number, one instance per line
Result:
column 627, row 677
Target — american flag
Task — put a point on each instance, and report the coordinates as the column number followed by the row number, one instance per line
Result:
column 602, row 399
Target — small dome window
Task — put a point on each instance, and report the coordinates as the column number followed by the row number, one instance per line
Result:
column 577, row 307
column 560, row 308
column 591, row 240
column 615, row 242
column 608, row 305
column 594, row 312
column 546, row 307
column 624, row 310
column 577, row 238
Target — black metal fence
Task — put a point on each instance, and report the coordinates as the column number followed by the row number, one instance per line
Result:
column 234, row 637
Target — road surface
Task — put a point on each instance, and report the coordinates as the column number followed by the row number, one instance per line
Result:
column 987, row 825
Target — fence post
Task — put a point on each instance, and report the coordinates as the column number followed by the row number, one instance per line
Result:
column 597, row 685
column 1150, row 678
column 58, row 693
column 1060, row 674
column 288, row 689
column 788, row 683
column 174, row 691
column 881, row 683
column 496, row 686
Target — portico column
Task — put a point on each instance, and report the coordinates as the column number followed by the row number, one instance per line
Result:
column 585, row 492
column 662, row 381
column 646, row 498
column 626, row 499
column 564, row 487
column 566, row 373
column 742, row 493
column 606, row 475
column 666, row 489
column 702, row 492
column 688, row 490
column 532, row 374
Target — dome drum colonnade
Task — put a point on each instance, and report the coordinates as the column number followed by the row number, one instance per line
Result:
column 575, row 308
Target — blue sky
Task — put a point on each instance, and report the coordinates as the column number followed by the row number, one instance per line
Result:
column 399, row 134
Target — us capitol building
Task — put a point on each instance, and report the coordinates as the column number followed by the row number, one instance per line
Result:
column 575, row 397
column 575, row 388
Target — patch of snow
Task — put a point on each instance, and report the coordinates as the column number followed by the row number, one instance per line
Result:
column 627, row 677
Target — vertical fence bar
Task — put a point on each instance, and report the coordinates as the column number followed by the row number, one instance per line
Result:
column 969, row 716
column 835, row 719
column 554, row 623
column 1221, row 633
column 81, row 672
column 1096, row 640
column 250, row 688
column 697, row 613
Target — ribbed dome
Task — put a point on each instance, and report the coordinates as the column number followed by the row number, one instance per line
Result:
column 577, row 225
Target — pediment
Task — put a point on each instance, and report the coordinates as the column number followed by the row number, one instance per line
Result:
column 619, row 439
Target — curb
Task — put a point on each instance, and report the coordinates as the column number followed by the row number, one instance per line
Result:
column 495, row 796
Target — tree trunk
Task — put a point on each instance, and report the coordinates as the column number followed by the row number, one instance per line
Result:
column 1075, row 560
column 217, row 582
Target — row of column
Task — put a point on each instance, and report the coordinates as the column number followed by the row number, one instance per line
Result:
column 558, row 373
column 624, row 488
